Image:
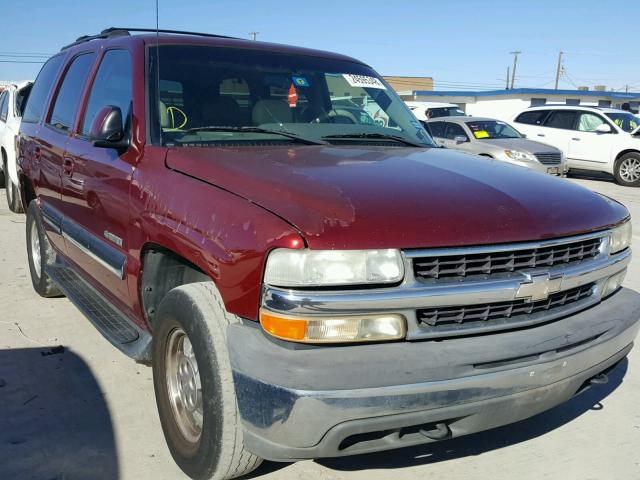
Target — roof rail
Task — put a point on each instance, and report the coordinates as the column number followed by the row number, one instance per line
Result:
column 125, row 31
column 566, row 105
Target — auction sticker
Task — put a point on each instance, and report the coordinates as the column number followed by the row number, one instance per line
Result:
column 363, row 81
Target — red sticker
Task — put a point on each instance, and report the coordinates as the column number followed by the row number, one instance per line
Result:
column 292, row 97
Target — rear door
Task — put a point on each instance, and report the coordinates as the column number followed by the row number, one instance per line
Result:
column 530, row 123
column 558, row 129
column 41, row 154
column 96, row 184
column 588, row 147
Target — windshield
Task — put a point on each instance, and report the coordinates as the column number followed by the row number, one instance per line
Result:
column 212, row 95
column 445, row 112
column 625, row 120
column 492, row 129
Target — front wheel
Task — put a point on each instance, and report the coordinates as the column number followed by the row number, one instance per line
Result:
column 627, row 170
column 194, row 385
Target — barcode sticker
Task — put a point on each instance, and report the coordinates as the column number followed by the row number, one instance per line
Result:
column 363, row 81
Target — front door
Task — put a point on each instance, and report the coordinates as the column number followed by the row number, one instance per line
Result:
column 96, row 186
column 588, row 146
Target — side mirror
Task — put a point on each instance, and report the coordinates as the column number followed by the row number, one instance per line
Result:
column 460, row 139
column 107, row 129
column 604, row 128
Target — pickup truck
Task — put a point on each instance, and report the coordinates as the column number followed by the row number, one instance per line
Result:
column 305, row 285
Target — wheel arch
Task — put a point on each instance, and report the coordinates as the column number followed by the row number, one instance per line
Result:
column 27, row 192
column 624, row 152
column 162, row 269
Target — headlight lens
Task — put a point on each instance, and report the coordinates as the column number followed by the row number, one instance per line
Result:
column 520, row 156
column 338, row 329
column 620, row 237
column 308, row 268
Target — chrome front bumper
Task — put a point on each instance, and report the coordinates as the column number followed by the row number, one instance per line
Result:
column 301, row 401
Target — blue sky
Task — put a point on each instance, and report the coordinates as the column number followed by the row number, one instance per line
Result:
column 462, row 44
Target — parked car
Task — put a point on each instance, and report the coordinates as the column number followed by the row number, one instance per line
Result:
column 592, row 138
column 427, row 110
column 308, row 289
column 12, row 101
column 496, row 139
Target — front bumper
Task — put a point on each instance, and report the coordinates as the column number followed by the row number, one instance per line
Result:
column 299, row 401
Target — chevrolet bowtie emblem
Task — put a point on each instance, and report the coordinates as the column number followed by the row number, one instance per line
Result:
column 539, row 287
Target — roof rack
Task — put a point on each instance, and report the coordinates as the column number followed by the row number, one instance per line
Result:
column 125, row 31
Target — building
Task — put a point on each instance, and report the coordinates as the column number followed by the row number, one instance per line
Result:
column 406, row 85
column 505, row 104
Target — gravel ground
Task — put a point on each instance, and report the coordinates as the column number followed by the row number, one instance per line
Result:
column 73, row 407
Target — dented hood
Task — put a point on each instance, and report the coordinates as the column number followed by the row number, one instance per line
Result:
column 377, row 197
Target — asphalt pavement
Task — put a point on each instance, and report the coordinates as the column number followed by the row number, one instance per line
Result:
column 73, row 407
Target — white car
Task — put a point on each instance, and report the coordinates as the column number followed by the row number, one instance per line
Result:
column 591, row 138
column 12, row 102
column 424, row 111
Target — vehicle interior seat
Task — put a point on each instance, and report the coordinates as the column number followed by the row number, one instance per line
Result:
column 221, row 111
column 271, row 111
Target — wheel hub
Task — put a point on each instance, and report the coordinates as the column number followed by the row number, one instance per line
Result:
column 630, row 170
column 183, row 385
column 35, row 249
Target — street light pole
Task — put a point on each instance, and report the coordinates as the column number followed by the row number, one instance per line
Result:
column 254, row 34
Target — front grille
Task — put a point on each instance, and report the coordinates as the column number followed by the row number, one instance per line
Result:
column 489, row 263
column 486, row 314
column 549, row 158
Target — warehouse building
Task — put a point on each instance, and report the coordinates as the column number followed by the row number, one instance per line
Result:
column 505, row 104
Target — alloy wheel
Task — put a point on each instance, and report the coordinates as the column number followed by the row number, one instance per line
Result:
column 630, row 170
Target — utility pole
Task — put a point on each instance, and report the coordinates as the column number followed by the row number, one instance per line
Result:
column 559, row 69
column 254, row 35
column 626, row 88
column 507, row 78
column 515, row 65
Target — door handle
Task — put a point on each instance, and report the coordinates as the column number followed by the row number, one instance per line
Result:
column 541, row 135
column 67, row 166
column 575, row 139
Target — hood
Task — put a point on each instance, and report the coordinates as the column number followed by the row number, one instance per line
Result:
column 377, row 197
column 522, row 144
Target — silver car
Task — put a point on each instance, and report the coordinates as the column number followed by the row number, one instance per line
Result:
column 496, row 139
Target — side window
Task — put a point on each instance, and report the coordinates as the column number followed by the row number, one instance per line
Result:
column 436, row 129
column 588, row 122
column 454, row 130
column 564, row 119
column 4, row 106
column 112, row 87
column 535, row 117
column 41, row 89
column 68, row 99
column 21, row 100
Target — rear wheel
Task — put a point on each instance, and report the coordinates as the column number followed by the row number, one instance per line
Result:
column 194, row 385
column 13, row 196
column 40, row 253
column 627, row 170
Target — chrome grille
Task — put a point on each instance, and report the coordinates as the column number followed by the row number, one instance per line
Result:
column 485, row 314
column 549, row 158
column 489, row 263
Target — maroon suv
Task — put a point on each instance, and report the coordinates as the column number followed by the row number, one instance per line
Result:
column 308, row 279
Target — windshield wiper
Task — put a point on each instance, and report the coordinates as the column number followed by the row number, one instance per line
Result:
column 380, row 136
column 293, row 136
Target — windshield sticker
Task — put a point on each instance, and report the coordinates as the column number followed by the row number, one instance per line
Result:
column 480, row 134
column 292, row 96
column 363, row 81
column 300, row 81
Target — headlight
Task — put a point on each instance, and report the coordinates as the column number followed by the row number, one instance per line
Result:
column 520, row 156
column 620, row 237
column 320, row 268
column 337, row 329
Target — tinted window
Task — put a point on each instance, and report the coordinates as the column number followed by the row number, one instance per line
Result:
column 588, row 122
column 4, row 106
column 21, row 100
column 454, row 130
column 534, row 117
column 565, row 119
column 112, row 86
column 436, row 129
column 68, row 99
column 536, row 102
column 40, row 91
column 445, row 112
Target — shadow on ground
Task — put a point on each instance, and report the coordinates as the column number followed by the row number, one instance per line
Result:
column 591, row 175
column 54, row 421
column 482, row 442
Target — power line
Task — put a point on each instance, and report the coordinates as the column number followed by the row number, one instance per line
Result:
column 19, row 61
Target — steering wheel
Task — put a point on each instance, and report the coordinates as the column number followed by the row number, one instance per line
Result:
column 333, row 114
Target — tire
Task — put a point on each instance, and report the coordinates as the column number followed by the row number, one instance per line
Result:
column 39, row 253
column 190, row 330
column 627, row 170
column 13, row 197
